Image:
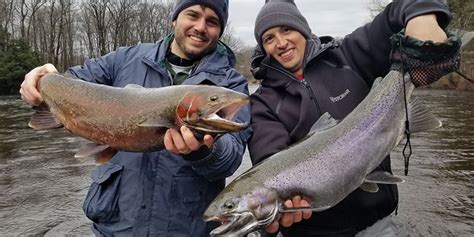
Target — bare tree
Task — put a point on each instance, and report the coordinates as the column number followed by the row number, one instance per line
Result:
column 153, row 21
column 122, row 14
column 377, row 6
column 228, row 38
column 97, row 10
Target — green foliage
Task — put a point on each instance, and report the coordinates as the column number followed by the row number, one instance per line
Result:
column 15, row 61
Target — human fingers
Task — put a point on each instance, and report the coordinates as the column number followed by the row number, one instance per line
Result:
column 286, row 219
column 208, row 140
column 188, row 137
column 29, row 87
column 306, row 214
column 179, row 142
column 169, row 144
column 273, row 227
column 297, row 216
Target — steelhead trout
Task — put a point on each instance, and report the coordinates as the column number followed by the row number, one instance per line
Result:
column 333, row 161
column 133, row 118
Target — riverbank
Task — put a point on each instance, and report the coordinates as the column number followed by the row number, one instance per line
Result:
column 454, row 81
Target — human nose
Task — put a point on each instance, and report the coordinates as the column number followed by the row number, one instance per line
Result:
column 281, row 41
column 200, row 25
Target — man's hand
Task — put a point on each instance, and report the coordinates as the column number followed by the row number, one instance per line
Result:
column 287, row 219
column 183, row 142
column 29, row 88
column 425, row 28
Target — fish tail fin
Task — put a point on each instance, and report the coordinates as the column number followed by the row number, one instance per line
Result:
column 421, row 119
column 43, row 119
column 101, row 153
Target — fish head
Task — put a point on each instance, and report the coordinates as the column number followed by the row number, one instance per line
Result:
column 210, row 109
column 242, row 214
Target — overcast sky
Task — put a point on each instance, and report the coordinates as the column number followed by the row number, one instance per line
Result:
column 325, row 17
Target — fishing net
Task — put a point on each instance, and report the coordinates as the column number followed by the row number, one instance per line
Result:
column 425, row 61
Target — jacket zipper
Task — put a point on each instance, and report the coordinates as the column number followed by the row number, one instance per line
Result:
column 305, row 84
column 313, row 97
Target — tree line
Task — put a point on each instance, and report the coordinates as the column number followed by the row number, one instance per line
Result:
column 66, row 32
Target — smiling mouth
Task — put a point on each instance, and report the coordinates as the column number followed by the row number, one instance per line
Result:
column 197, row 39
column 287, row 55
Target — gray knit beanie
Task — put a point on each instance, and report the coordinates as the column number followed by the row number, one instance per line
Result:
column 220, row 7
column 280, row 13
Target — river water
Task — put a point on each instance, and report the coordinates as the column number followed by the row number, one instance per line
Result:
column 43, row 186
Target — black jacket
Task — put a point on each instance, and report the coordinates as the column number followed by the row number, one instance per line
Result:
column 338, row 74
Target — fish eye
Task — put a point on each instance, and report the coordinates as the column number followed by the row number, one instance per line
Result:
column 229, row 205
column 214, row 98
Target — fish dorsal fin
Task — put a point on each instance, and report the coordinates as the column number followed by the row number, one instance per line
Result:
column 134, row 86
column 382, row 177
column 324, row 122
column 157, row 123
column 369, row 187
column 283, row 209
column 421, row 119
column 43, row 119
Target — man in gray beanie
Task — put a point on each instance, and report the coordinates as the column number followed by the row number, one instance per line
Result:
column 280, row 13
column 220, row 7
column 163, row 193
column 302, row 74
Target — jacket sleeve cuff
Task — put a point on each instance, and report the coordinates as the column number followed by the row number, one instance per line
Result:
column 199, row 155
column 433, row 7
column 205, row 155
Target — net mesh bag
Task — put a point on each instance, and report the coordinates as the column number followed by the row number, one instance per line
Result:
column 425, row 61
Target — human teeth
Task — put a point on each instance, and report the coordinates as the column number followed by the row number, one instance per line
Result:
column 286, row 54
column 196, row 38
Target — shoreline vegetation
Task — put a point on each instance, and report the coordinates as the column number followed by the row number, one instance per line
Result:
column 66, row 33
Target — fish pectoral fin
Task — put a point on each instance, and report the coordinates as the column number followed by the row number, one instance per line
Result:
column 101, row 153
column 369, row 187
column 296, row 209
column 383, row 177
column 324, row 122
column 421, row 119
column 90, row 150
column 157, row 123
column 43, row 119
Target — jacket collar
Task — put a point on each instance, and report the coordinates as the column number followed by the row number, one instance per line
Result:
column 217, row 62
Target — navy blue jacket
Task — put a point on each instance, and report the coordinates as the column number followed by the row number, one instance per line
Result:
column 337, row 77
column 160, row 193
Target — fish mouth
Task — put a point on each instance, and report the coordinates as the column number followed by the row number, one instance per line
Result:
column 235, row 224
column 218, row 119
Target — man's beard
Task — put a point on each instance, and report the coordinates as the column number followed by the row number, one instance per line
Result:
column 191, row 55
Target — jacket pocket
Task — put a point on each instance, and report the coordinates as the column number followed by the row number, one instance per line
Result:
column 188, row 203
column 101, row 203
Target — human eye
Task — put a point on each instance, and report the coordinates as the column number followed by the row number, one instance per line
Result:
column 286, row 30
column 213, row 22
column 192, row 15
column 268, row 39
